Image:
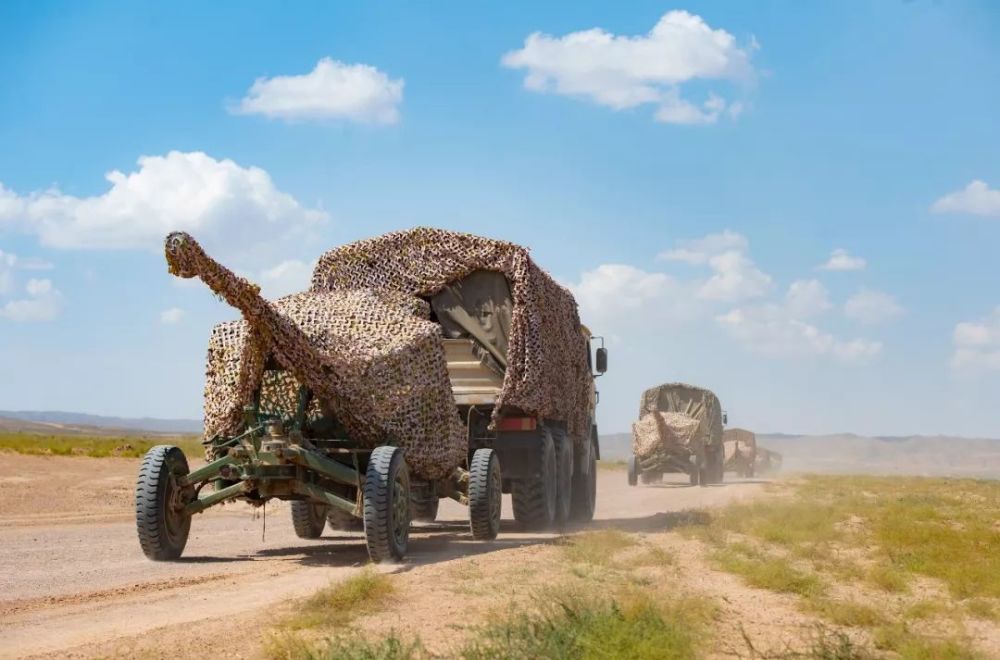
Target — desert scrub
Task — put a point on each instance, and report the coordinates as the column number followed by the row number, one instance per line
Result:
column 909, row 645
column 632, row 626
column 352, row 647
column 341, row 602
column 938, row 528
column 94, row 446
column 598, row 547
column 765, row 571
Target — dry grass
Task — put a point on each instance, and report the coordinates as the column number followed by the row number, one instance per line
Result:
column 878, row 534
column 598, row 547
column 96, row 446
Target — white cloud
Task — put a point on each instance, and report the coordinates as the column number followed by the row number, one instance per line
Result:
column 621, row 71
column 977, row 198
column 840, row 260
column 700, row 250
column 332, row 90
column 735, row 277
column 290, row 276
column 868, row 306
column 613, row 288
column 42, row 303
column 977, row 343
column 236, row 212
column 807, row 298
column 172, row 315
column 10, row 262
column 779, row 330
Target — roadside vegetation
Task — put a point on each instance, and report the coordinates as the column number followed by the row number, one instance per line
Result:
column 94, row 446
column 911, row 561
column 876, row 567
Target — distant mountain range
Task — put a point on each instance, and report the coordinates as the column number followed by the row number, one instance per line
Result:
column 52, row 421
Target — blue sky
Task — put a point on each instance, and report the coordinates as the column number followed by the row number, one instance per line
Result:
column 687, row 181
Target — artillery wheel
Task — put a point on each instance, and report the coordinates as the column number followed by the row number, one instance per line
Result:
column 534, row 499
column 633, row 470
column 424, row 510
column 485, row 494
column 387, row 504
column 564, row 475
column 160, row 520
column 585, row 488
column 308, row 519
column 342, row 521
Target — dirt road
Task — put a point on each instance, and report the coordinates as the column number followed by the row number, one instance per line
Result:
column 72, row 574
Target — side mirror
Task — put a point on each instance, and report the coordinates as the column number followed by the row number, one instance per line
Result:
column 725, row 418
column 602, row 360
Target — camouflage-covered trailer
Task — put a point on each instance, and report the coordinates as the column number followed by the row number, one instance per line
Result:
column 741, row 451
column 679, row 430
column 767, row 461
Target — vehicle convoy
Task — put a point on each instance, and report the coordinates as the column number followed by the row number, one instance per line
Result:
column 420, row 364
column 767, row 461
column 679, row 430
column 741, row 451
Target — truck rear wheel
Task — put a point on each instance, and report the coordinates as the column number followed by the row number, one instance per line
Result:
column 485, row 496
column 585, row 488
column 308, row 519
column 564, row 475
column 387, row 504
column 534, row 498
column 633, row 470
column 160, row 520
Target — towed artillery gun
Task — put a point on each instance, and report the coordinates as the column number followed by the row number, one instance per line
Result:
column 420, row 365
column 679, row 430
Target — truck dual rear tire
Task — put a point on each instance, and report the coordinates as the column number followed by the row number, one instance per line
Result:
column 308, row 519
column 534, row 498
column 160, row 521
column 485, row 494
column 633, row 470
column 564, row 475
column 585, row 488
column 387, row 504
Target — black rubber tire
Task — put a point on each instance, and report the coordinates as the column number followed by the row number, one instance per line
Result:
column 695, row 476
column 308, row 519
column 750, row 473
column 387, row 504
column 633, row 470
column 343, row 521
column 163, row 529
column 424, row 510
column 534, row 499
column 485, row 494
column 585, row 489
column 564, row 475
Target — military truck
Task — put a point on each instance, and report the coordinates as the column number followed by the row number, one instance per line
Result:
column 741, row 452
column 420, row 365
column 679, row 430
column 767, row 461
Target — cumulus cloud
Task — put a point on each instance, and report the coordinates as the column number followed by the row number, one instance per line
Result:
column 735, row 276
column 289, row 276
column 42, row 302
column 977, row 343
column 977, row 198
column 840, row 260
column 172, row 316
column 236, row 212
column 622, row 71
column 9, row 263
column 868, row 306
column 782, row 329
column 332, row 90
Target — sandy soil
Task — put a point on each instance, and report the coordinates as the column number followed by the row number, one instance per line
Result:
column 73, row 581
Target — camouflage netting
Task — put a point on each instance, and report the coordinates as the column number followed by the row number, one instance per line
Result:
column 362, row 340
column 547, row 370
column 742, row 441
column 676, row 417
column 372, row 359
